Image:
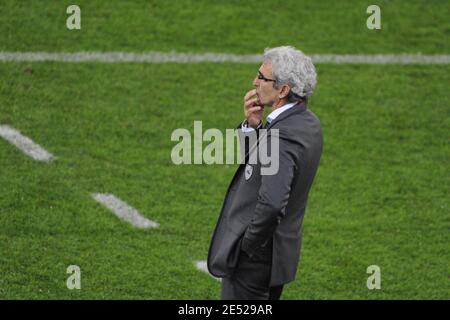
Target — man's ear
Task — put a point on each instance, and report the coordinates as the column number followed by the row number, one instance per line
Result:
column 284, row 91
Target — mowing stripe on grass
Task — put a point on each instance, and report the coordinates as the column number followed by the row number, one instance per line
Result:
column 25, row 144
column 202, row 266
column 164, row 57
column 124, row 211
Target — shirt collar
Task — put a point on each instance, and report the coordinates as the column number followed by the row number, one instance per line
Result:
column 275, row 113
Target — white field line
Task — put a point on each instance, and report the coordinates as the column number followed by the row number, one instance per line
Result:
column 25, row 144
column 164, row 57
column 124, row 211
column 202, row 266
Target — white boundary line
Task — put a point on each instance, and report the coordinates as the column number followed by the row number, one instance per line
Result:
column 25, row 144
column 124, row 211
column 202, row 266
column 165, row 57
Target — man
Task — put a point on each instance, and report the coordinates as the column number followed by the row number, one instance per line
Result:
column 256, row 244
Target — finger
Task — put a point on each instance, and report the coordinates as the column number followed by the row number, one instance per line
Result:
column 253, row 102
column 253, row 110
column 249, row 103
column 250, row 94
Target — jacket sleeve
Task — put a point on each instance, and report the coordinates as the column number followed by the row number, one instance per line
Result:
column 273, row 194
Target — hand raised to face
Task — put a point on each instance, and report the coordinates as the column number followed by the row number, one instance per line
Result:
column 253, row 109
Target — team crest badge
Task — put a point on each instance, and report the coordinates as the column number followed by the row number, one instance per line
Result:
column 248, row 171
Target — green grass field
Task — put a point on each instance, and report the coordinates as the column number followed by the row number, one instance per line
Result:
column 380, row 196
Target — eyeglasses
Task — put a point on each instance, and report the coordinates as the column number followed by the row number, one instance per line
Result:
column 261, row 77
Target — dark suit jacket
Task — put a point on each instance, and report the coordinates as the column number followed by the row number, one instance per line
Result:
column 269, row 209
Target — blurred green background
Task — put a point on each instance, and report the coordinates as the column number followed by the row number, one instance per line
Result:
column 380, row 195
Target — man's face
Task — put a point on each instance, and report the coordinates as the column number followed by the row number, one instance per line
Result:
column 265, row 91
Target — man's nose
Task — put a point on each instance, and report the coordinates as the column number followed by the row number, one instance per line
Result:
column 255, row 81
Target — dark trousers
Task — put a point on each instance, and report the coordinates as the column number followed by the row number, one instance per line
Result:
column 250, row 281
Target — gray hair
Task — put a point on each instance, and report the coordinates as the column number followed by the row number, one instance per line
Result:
column 292, row 67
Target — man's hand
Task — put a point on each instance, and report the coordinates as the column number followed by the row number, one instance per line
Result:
column 253, row 109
